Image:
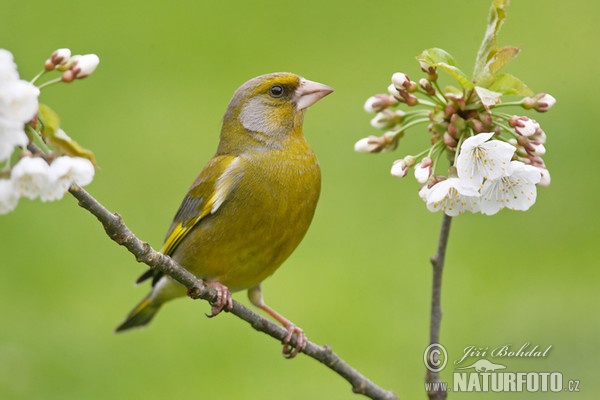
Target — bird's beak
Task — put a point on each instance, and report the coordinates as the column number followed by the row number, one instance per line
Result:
column 309, row 92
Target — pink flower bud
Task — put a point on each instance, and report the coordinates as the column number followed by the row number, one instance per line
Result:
column 400, row 80
column 61, row 56
column 541, row 102
column 524, row 125
column 84, row 65
column 427, row 86
column 423, row 170
column 399, row 168
column 379, row 102
column 545, row 181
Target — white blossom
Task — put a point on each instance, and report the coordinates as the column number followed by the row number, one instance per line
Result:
column 8, row 68
column 424, row 192
column 18, row 105
column 18, row 100
column 453, row 196
column 515, row 191
column 11, row 136
column 65, row 171
column 9, row 198
column 31, row 177
column 481, row 158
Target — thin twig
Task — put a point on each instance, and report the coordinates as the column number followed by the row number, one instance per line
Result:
column 117, row 230
column 437, row 262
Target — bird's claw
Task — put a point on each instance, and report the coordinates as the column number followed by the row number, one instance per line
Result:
column 290, row 351
column 223, row 300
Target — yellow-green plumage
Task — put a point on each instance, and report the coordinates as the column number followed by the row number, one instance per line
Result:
column 253, row 202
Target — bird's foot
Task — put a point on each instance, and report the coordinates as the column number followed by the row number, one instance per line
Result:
column 223, row 300
column 290, row 351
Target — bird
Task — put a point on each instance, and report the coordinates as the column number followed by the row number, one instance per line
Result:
column 250, row 206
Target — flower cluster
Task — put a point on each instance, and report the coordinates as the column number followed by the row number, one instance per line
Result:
column 72, row 67
column 49, row 173
column 495, row 158
column 32, row 177
column 18, row 106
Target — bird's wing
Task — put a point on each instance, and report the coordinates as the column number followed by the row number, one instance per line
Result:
column 208, row 192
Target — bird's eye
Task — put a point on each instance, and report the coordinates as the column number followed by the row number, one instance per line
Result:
column 276, row 91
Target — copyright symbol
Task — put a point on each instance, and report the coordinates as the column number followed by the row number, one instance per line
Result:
column 435, row 357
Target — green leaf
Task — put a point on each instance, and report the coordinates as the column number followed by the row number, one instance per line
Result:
column 440, row 58
column 436, row 55
column 508, row 84
column 50, row 120
column 489, row 44
column 501, row 58
column 52, row 134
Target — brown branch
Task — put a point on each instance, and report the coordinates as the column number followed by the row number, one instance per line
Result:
column 117, row 230
column 437, row 262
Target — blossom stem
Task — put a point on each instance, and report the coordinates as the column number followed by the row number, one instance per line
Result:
column 438, row 148
column 460, row 140
column 435, row 97
column 509, row 104
column 426, row 103
column 38, row 76
column 413, row 123
column 507, row 128
column 51, row 82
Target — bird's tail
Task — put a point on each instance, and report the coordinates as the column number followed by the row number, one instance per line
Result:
column 141, row 315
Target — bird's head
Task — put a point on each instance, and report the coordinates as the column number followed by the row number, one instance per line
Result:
column 268, row 109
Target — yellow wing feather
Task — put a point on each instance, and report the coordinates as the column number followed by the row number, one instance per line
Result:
column 210, row 190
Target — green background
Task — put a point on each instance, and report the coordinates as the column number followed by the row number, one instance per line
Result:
column 360, row 281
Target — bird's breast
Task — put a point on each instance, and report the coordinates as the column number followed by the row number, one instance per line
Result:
column 261, row 223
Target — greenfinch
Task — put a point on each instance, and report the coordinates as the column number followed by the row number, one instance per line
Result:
column 252, row 203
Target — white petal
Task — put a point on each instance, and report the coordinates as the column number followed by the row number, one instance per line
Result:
column 73, row 169
column 476, row 140
column 18, row 100
column 31, row 176
column 11, row 136
column 516, row 191
column 9, row 197
column 8, row 68
column 453, row 197
column 479, row 160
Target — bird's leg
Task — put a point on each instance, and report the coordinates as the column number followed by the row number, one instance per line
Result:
column 223, row 301
column 256, row 298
